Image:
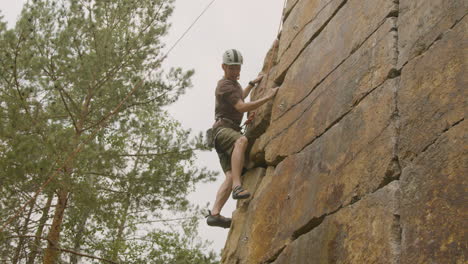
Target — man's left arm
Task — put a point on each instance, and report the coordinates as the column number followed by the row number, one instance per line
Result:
column 252, row 84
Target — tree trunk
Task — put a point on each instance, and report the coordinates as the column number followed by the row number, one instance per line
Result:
column 126, row 206
column 119, row 240
column 51, row 253
column 80, row 227
column 22, row 233
column 37, row 241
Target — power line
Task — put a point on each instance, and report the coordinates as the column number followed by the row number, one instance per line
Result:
column 190, row 27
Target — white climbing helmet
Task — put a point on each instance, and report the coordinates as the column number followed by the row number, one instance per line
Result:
column 232, row 57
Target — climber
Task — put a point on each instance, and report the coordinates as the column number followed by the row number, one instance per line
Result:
column 229, row 143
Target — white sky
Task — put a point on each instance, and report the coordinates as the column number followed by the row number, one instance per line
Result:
column 247, row 25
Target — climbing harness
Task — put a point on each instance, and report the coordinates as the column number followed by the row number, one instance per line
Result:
column 211, row 137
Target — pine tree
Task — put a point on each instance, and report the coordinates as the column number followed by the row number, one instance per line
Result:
column 88, row 156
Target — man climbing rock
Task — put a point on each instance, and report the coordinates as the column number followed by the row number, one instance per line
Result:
column 229, row 142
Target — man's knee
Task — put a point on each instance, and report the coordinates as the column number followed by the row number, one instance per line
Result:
column 242, row 142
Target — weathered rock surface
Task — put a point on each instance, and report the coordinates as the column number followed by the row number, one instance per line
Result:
column 433, row 92
column 365, row 232
column 245, row 243
column 354, row 158
column 365, row 70
column 434, row 204
column 421, row 22
column 263, row 114
column 287, row 9
column 366, row 140
column 304, row 21
column 235, row 245
column 341, row 37
column 251, row 181
column 237, row 235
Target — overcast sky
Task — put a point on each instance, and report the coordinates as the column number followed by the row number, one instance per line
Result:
column 247, row 25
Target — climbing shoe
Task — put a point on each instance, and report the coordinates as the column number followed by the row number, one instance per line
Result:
column 240, row 193
column 218, row 220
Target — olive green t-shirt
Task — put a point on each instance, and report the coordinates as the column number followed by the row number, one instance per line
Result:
column 228, row 93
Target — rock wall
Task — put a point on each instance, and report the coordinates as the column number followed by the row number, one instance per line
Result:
column 362, row 156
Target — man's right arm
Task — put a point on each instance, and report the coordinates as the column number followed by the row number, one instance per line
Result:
column 249, row 106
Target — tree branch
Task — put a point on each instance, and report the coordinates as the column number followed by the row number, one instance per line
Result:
column 110, row 190
column 145, row 102
column 15, row 77
column 64, row 249
column 51, row 74
column 54, row 78
column 68, row 109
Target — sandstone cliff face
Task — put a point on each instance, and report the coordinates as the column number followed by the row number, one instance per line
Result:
column 362, row 156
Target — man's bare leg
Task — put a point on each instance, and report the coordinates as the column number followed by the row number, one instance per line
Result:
column 232, row 176
column 223, row 194
column 237, row 159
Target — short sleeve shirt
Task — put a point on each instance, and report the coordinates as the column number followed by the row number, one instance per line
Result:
column 228, row 93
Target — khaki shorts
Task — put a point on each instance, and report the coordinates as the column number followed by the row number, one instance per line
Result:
column 224, row 145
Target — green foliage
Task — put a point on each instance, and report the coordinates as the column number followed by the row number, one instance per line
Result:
column 82, row 99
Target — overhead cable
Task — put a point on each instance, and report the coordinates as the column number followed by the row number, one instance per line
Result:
column 190, row 27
